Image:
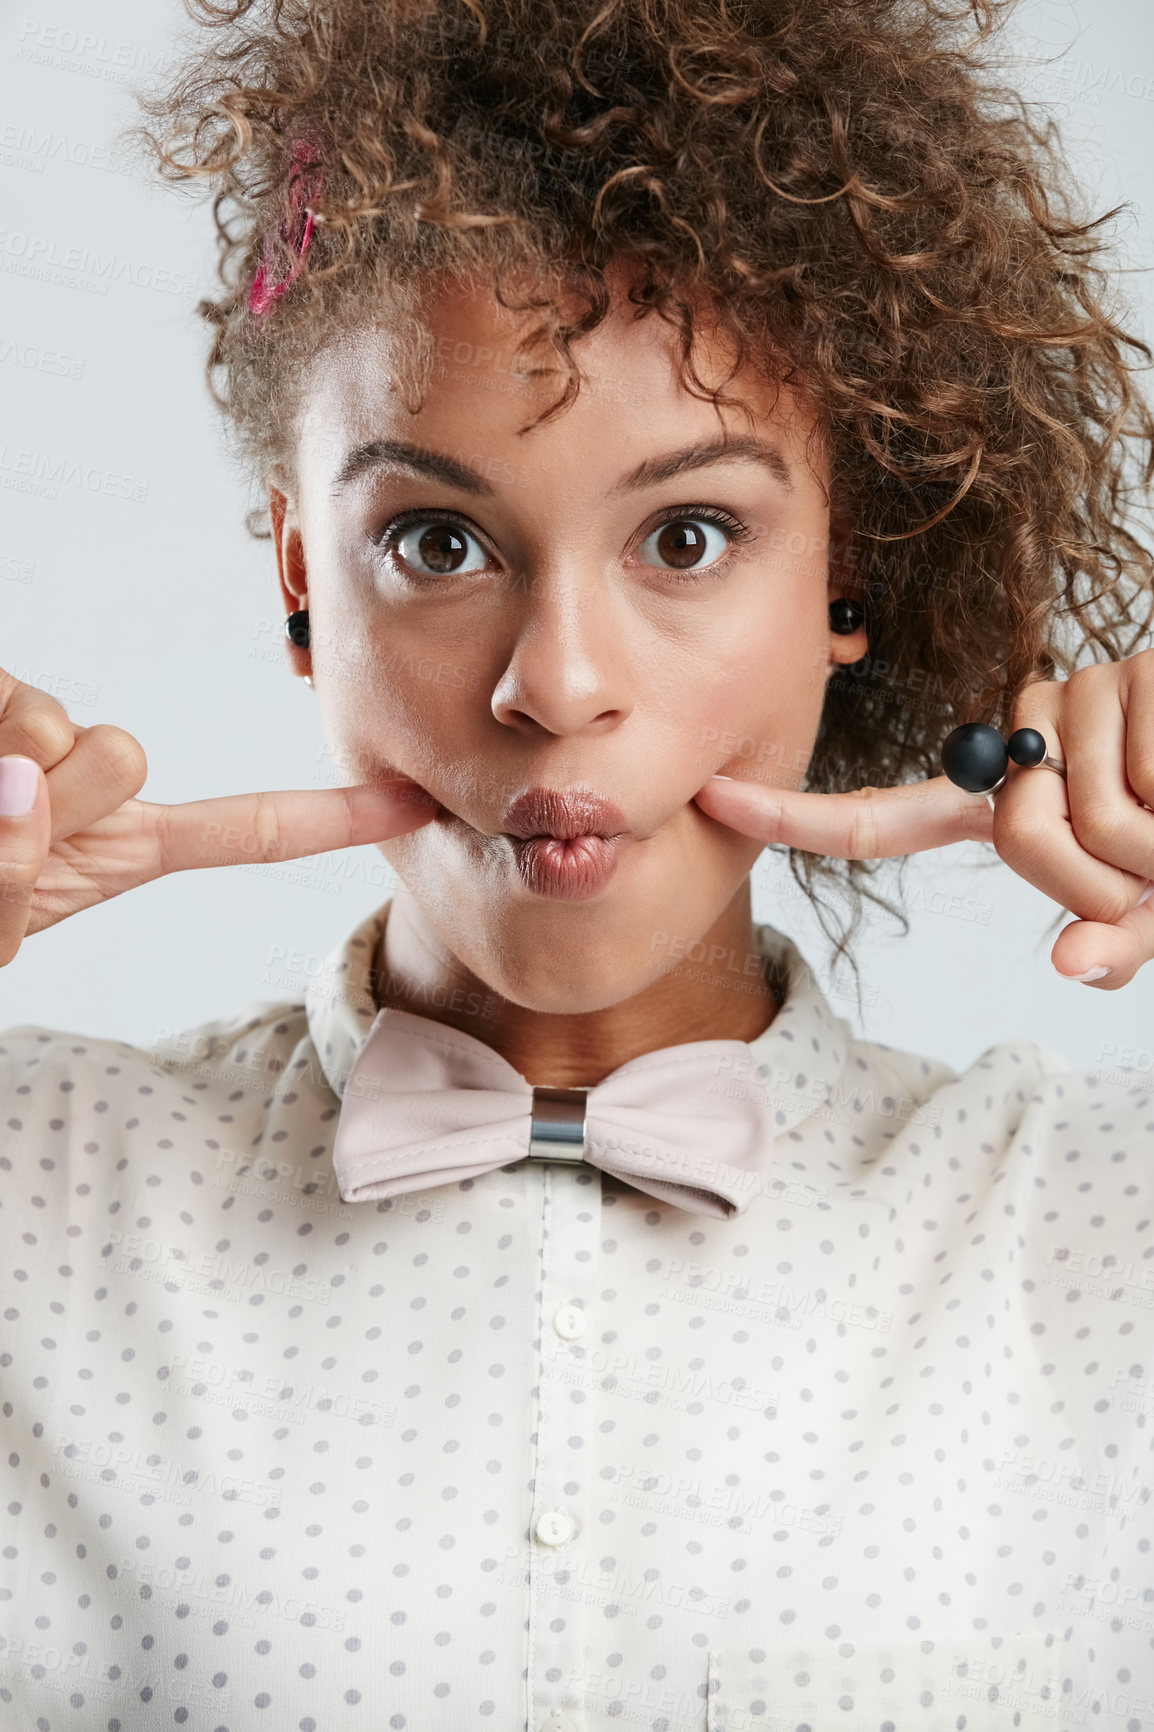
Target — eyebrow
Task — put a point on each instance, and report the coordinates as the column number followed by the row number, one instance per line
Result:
column 700, row 456
column 396, row 454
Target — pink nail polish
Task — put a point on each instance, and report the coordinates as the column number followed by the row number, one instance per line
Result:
column 17, row 786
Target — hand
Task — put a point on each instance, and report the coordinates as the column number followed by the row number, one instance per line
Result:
column 1086, row 840
column 85, row 839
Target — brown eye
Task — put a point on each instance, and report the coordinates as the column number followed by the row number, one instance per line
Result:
column 684, row 543
column 681, row 544
column 439, row 550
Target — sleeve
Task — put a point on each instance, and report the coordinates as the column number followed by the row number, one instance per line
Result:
column 1083, row 1202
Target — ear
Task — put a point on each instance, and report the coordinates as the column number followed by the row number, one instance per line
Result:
column 290, row 561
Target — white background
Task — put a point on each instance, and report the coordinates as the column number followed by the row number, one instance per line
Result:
column 161, row 615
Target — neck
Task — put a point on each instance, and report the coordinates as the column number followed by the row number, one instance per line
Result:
column 417, row 973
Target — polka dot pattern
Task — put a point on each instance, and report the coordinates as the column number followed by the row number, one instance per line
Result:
column 537, row 1451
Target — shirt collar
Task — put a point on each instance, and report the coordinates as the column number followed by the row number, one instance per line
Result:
column 339, row 1001
column 798, row 1060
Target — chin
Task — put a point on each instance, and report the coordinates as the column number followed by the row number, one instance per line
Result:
column 556, row 957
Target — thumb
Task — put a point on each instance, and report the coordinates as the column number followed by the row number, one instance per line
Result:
column 25, row 838
column 867, row 824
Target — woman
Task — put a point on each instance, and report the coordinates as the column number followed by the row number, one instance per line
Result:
column 560, row 1319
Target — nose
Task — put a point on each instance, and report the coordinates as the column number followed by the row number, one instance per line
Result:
column 567, row 671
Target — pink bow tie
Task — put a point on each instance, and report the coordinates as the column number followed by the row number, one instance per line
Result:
column 426, row 1105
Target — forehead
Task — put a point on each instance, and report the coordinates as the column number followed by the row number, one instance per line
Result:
column 478, row 388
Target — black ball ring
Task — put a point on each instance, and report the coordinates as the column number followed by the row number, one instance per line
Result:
column 975, row 757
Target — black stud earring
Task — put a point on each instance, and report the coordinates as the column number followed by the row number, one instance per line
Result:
column 297, row 628
column 845, row 616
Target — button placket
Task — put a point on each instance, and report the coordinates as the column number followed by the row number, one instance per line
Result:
column 565, row 1418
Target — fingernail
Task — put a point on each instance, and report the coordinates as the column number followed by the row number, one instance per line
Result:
column 17, row 787
column 1149, row 888
column 1090, row 974
column 721, row 778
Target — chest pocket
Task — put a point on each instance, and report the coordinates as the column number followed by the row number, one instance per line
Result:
column 1007, row 1683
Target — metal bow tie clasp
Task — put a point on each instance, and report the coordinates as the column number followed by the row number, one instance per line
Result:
column 557, row 1125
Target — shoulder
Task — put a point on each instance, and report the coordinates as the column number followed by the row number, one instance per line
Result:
column 1026, row 1062
column 58, row 1080
column 1022, row 1100
column 894, row 1085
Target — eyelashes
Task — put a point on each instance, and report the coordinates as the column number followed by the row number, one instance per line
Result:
column 399, row 530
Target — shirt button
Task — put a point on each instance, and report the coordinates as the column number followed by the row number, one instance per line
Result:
column 569, row 1322
column 560, row 1722
column 554, row 1528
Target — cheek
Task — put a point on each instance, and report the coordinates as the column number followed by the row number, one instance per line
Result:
column 755, row 711
column 405, row 707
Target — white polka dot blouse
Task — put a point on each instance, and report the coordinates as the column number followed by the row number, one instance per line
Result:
column 535, row 1451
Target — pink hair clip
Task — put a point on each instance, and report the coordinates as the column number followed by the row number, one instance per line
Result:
column 264, row 289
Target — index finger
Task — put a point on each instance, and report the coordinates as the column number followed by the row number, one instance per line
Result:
column 867, row 824
column 283, row 824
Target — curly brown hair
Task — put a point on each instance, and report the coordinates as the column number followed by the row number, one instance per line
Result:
column 875, row 217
